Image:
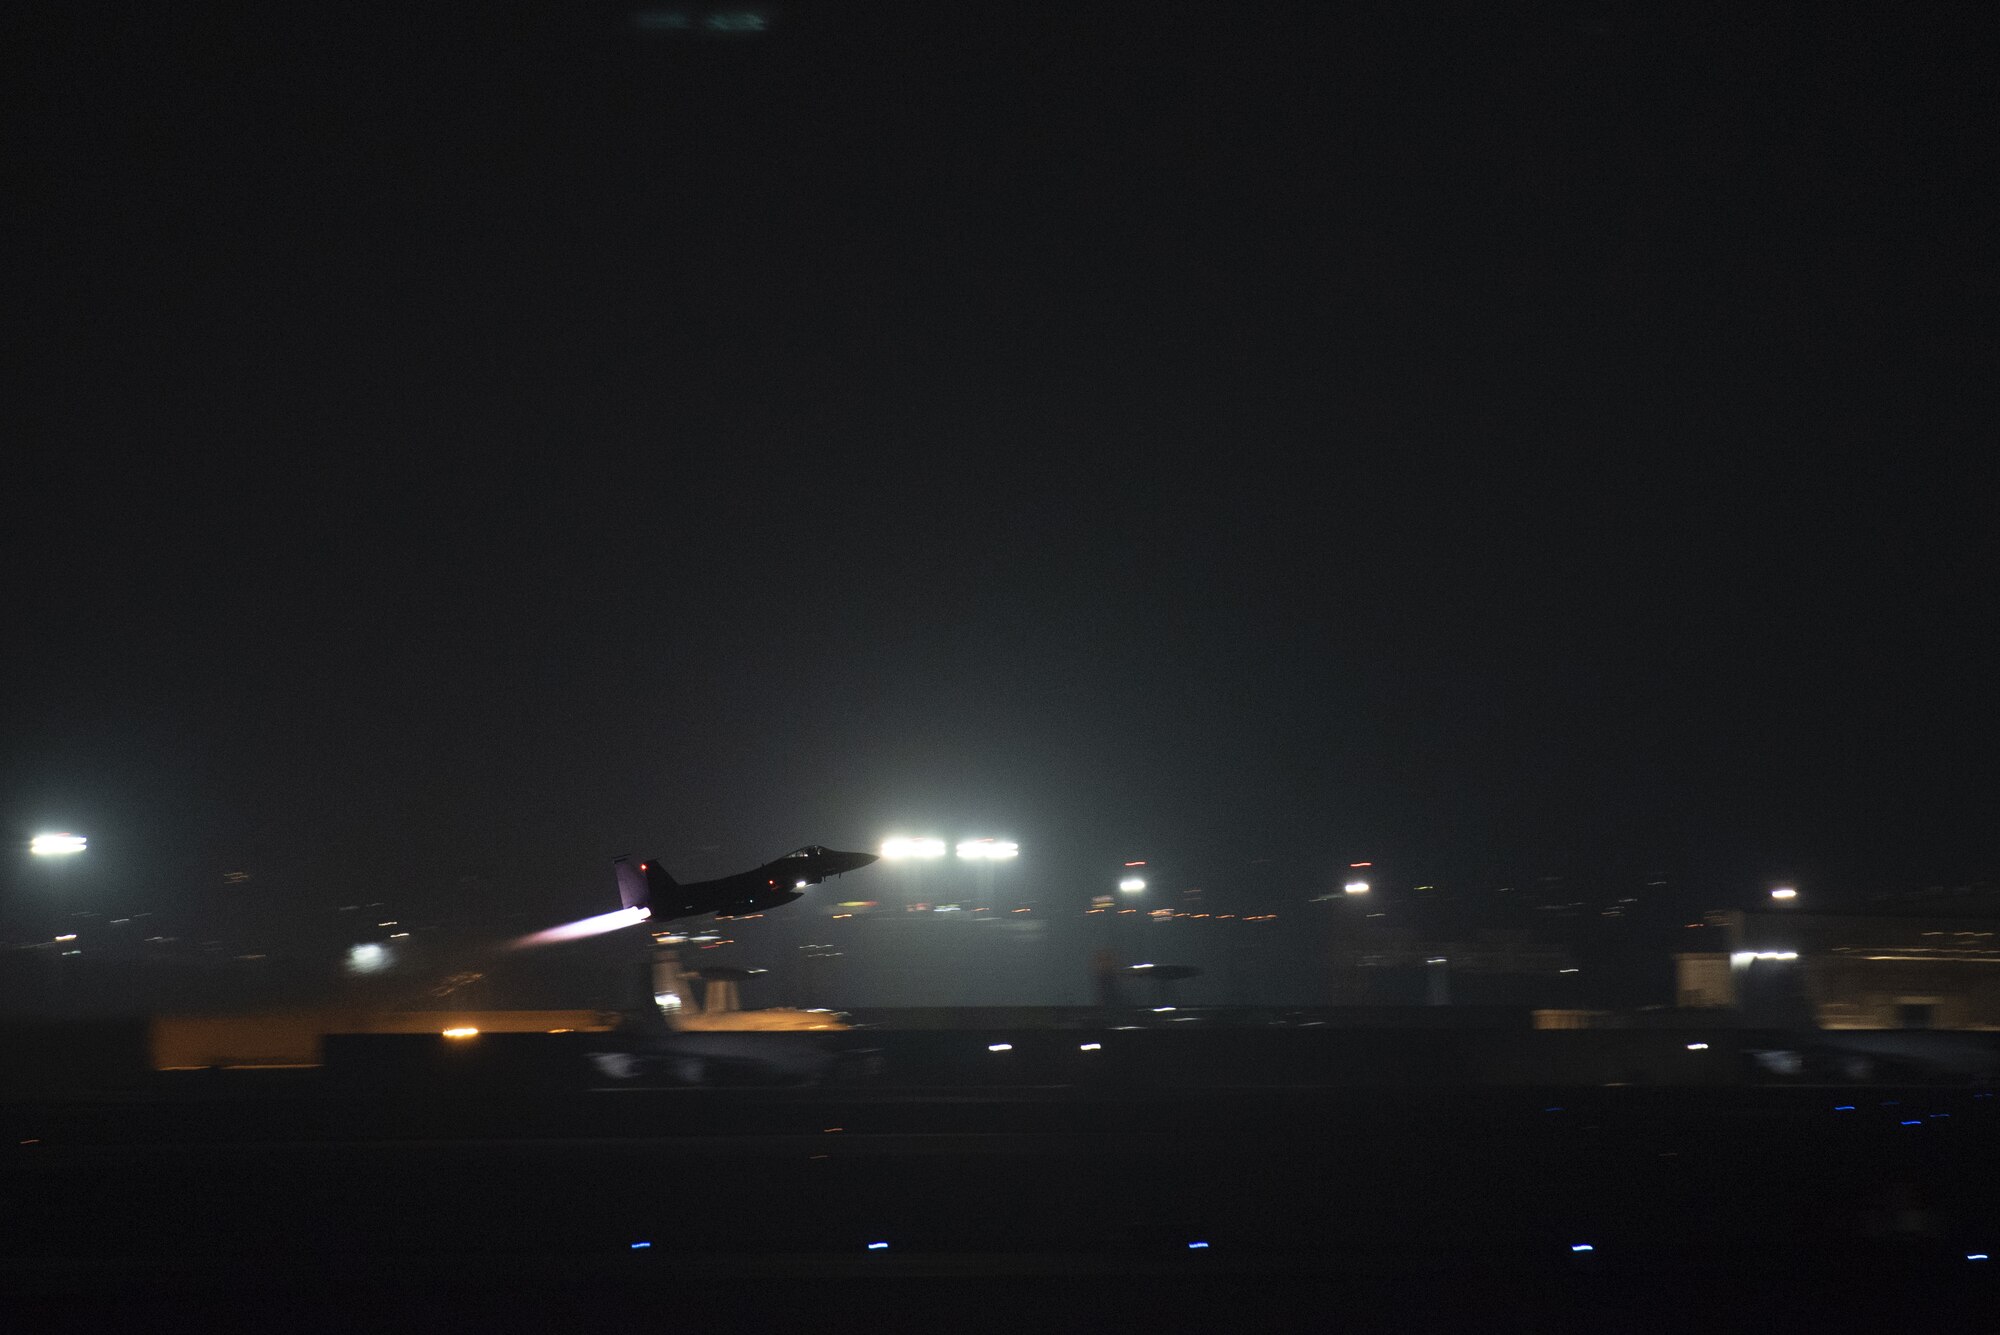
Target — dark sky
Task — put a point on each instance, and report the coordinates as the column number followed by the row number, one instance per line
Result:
column 477, row 442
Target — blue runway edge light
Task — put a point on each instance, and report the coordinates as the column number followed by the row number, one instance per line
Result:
column 639, row 1246
column 878, row 1246
column 1912, row 1124
column 1192, row 1246
column 1843, row 1107
column 1975, row 1256
column 1581, row 1247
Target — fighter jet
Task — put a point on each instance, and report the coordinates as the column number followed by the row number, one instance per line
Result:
column 663, row 1034
column 646, row 885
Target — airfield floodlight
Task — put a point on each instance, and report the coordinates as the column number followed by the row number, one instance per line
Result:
column 990, row 850
column 1356, row 887
column 56, row 845
column 368, row 957
column 1132, row 884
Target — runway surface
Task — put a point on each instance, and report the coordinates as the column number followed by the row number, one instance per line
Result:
column 616, row 1186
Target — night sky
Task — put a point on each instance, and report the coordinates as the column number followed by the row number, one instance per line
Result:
column 452, row 448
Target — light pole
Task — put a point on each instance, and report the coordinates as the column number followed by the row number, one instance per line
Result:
column 56, row 849
column 1130, row 886
column 916, row 852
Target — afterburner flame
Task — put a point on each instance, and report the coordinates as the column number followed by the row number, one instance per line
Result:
column 582, row 927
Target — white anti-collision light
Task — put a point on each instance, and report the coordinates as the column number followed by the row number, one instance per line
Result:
column 56, row 845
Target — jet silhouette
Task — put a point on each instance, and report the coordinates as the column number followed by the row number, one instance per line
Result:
column 646, row 885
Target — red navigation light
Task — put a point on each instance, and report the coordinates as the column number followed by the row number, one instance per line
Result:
column 1360, row 864
column 1135, row 864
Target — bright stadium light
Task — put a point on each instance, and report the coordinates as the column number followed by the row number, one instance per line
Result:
column 990, row 850
column 56, row 845
column 1132, row 884
column 901, row 847
column 1356, row 887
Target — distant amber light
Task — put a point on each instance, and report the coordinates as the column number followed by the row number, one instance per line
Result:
column 462, row 1031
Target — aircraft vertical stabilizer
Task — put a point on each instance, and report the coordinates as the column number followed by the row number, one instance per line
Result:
column 636, row 881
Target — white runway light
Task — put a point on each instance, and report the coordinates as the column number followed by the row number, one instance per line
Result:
column 899, row 848
column 990, row 850
column 56, row 845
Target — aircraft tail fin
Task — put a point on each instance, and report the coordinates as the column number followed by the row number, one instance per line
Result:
column 637, row 881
